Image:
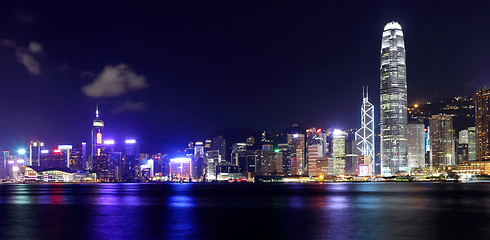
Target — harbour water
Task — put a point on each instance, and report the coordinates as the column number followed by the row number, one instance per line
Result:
column 245, row 211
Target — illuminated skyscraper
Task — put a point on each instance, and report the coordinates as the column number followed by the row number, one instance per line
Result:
column 338, row 151
column 365, row 135
column 416, row 145
column 442, row 140
column 483, row 123
column 393, row 99
column 35, row 153
column 97, row 143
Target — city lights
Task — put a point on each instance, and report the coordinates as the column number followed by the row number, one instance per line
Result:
column 130, row 141
column 180, row 160
column 21, row 151
column 109, row 142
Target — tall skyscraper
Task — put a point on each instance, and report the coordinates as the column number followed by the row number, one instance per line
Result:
column 442, row 140
column 416, row 145
column 338, row 152
column 97, row 143
column 467, row 145
column 393, row 99
column 482, row 100
column 35, row 153
column 365, row 135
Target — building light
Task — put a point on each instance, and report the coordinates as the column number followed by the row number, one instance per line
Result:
column 109, row 142
column 180, row 160
column 45, row 151
column 65, row 147
column 57, row 151
column 99, row 138
column 21, row 151
column 130, row 141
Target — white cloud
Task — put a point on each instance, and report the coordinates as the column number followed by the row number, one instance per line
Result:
column 131, row 106
column 24, row 56
column 115, row 81
column 36, row 47
column 28, row 61
column 8, row 43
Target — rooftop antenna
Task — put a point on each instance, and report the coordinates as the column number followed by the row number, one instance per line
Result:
column 97, row 110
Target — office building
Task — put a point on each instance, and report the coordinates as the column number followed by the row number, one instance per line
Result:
column 97, row 141
column 393, row 100
column 338, row 152
column 416, row 145
column 442, row 140
column 482, row 100
column 364, row 137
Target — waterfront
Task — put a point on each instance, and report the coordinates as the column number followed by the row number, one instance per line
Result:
column 245, row 211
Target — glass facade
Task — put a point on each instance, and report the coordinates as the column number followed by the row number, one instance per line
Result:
column 393, row 100
column 365, row 135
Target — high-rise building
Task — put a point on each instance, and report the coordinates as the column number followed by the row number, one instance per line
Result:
column 315, row 151
column 130, row 159
column 442, row 140
column 219, row 143
column 213, row 159
column 482, row 100
column 338, row 152
column 97, row 143
column 365, row 135
column 35, row 153
column 297, row 143
column 416, row 145
column 393, row 99
column 467, row 145
column 78, row 156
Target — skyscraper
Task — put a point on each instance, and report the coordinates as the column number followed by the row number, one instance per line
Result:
column 365, row 135
column 416, row 145
column 97, row 144
column 483, row 123
column 338, row 151
column 393, row 99
column 442, row 140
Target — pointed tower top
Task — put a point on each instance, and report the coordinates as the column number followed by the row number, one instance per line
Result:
column 96, row 110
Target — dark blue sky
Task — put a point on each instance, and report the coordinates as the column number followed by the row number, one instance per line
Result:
column 172, row 71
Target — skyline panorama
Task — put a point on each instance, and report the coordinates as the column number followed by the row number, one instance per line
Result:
column 165, row 114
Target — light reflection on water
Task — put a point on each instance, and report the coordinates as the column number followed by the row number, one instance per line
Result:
column 245, row 211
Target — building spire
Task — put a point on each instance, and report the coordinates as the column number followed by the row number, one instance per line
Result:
column 96, row 110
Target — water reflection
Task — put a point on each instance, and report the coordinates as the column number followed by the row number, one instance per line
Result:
column 244, row 211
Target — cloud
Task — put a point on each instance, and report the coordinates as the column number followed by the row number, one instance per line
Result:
column 36, row 47
column 24, row 56
column 88, row 74
column 131, row 106
column 28, row 61
column 25, row 18
column 115, row 81
column 8, row 43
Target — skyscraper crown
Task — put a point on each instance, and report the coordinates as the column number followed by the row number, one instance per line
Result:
column 392, row 25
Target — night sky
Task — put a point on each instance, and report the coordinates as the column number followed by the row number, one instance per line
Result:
column 175, row 71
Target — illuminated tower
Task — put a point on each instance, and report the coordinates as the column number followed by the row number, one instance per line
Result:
column 365, row 135
column 482, row 100
column 97, row 143
column 442, row 140
column 338, row 151
column 393, row 99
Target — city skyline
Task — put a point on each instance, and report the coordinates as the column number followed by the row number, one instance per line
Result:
column 162, row 112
